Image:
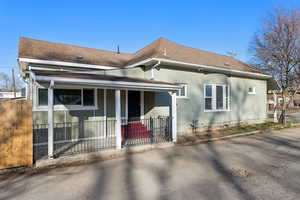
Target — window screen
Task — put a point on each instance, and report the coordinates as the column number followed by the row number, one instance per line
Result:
column 88, row 97
column 67, row 97
column 42, row 97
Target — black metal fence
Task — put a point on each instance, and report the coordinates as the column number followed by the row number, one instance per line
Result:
column 92, row 136
column 74, row 137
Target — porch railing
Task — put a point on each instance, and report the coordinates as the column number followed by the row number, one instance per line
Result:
column 74, row 137
column 93, row 136
column 146, row 131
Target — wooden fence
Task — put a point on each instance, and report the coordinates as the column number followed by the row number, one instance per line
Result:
column 15, row 133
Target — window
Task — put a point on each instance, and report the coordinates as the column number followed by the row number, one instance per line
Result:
column 251, row 90
column 43, row 97
column 216, row 97
column 68, row 98
column 208, row 97
column 182, row 93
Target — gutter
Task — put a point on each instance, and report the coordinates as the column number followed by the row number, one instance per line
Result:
column 199, row 67
column 62, row 63
column 108, row 83
column 148, row 61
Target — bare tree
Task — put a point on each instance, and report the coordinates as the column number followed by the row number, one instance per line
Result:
column 276, row 50
column 6, row 82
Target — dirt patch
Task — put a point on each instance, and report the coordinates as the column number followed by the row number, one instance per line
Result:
column 220, row 133
column 243, row 173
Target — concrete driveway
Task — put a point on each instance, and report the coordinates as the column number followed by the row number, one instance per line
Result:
column 256, row 167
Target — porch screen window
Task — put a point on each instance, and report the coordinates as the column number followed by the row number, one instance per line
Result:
column 88, row 97
column 216, row 97
column 43, row 97
column 68, row 97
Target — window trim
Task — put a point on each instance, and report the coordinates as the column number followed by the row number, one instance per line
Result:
column 185, row 86
column 214, row 98
column 37, row 107
column 254, row 90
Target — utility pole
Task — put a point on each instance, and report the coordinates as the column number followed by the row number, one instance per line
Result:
column 14, row 82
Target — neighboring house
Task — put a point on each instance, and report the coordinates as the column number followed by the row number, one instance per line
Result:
column 164, row 80
column 275, row 97
column 9, row 94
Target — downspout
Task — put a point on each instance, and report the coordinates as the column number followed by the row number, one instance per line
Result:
column 152, row 69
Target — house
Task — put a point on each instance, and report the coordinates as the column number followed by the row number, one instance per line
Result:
column 163, row 90
column 10, row 94
column 274, row 97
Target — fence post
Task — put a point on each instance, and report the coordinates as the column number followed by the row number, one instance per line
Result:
column 118, row 119
column 50, row 120
column 174, row 117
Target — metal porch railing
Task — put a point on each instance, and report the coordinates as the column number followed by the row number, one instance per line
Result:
column 92, row 136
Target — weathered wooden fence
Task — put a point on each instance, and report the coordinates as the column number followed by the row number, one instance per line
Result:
column 15, row 133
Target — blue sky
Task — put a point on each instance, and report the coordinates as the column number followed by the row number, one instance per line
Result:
column 213, row 25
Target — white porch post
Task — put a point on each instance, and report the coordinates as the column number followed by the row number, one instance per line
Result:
column 126, row 106
column 142, row 105
column 104, row 111
column 174, row 117
column 118, row 119
column 50, row 120
column 27, row 89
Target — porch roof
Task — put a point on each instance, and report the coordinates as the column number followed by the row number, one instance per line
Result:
column 106, row 81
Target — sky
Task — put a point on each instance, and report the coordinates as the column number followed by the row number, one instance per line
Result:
column 212, row 25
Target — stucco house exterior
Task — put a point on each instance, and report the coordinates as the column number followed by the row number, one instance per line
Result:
column 180, row 85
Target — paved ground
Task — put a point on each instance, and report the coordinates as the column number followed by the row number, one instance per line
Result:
column 256, row 167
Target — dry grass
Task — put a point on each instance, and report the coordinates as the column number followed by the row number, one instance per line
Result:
column 263, row 127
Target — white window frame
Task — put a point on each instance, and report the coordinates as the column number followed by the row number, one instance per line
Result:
column 253, row 90
column 214, row 98
column 184, row 85
column 37, row 107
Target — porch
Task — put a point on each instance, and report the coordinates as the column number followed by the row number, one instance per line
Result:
column 92, row 136
column 124, row 115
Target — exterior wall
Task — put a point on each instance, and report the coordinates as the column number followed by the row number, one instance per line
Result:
column 133, row 72
column 244, row 107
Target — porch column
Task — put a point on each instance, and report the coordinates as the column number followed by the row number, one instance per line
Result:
column 50, row 120
column 174, row 117
column 118, row 119
column 105, row 112
column 142, row 105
